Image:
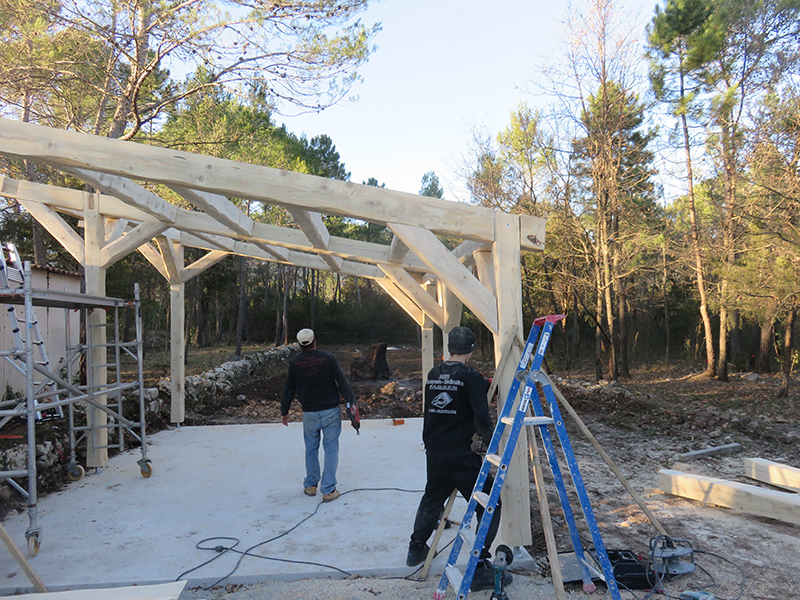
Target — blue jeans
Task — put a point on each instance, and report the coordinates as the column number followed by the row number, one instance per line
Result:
column 328, row 425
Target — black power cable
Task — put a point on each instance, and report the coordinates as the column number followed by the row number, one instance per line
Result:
column 221, row 549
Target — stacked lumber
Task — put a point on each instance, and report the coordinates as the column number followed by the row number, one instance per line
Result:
column 751, row 499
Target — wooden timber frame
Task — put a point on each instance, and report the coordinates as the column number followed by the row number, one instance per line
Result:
column 430, row 282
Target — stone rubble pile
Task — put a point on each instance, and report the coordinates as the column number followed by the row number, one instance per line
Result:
column 209, row 386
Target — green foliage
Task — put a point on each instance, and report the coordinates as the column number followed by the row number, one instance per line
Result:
column 431, row 186
column 99, row 66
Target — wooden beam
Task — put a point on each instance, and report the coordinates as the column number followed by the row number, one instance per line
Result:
column 219, row 207
column 784, row 506
column 427, row 337
column 38, row 584
column 399, row 296
column 415, row 292
column 58, row 228
column 171, row 253
column 129, row 242
column 198, row 223
column 154, row 258
column 201, row 264
column 118, row 229
column 221, row 242
column 515, row 524
column 465, row 251
column 317, row 233
column 277, row 252
column 777, row 474
column 96, row 331
column 456, row 276
column 69, row 149
column 129, row 192
column 397, row 250
column 485, row 266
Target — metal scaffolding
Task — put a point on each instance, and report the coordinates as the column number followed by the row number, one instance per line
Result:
column 72, row 383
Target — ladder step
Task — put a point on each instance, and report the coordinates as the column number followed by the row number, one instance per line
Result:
column 455, row 576
column 482, row 498
column 468, row 536
column 529, row 421
column 495, row 459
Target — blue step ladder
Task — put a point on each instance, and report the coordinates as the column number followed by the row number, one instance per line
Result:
column 538, row 340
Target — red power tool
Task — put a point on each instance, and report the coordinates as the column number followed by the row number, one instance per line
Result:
column 355, row 418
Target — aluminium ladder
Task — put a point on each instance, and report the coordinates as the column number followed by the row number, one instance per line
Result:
column 12, row 272
column 538, row 338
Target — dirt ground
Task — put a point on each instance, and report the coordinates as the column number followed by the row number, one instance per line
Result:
column 644, row 423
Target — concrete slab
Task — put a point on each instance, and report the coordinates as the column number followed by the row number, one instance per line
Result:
column 234, row 486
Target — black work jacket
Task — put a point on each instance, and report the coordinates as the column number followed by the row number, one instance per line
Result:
column 316, row 378
column 455, row 409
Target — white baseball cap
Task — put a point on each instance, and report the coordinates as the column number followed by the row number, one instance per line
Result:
column 305, row 337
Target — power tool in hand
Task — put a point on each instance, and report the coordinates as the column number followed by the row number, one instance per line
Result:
column 355, row 418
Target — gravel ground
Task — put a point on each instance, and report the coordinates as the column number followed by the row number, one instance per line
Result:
column 524, row 586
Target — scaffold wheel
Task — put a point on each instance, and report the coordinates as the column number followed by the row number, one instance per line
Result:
column 76, row 473
column 33, row 544
column 146, row 469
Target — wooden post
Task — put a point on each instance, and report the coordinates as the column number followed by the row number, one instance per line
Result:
column 427, row 341
column 177, row 342
column 453, row 308
column 515, row 524
column 485, row 266
column 95, row 274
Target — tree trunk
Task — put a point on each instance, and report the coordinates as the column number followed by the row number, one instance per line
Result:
column 313, row 297
column 735, row 339
column 788, row 347
column 722, row 364
column 285, row 307
column 200, row 321
column 666, row 302
column 598, row 330
column 242, row 312
column 372, row 365
column 698, row 253
column 608, row 301
column 765, row 341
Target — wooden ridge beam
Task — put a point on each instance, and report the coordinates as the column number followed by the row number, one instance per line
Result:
column 69, row 149
column 784, row 506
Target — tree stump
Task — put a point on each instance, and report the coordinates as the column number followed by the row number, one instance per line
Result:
column 371, row 365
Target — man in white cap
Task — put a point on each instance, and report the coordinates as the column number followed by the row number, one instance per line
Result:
column 317, row 380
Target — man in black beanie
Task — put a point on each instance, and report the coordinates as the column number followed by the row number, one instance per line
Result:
column 455, row 409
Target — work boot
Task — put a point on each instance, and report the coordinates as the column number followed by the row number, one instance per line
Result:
column 484, row 577
column 417, row 553
column 331, row 497
column 310, row 490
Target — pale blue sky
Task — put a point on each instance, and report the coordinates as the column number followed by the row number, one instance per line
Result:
column 442, row 68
